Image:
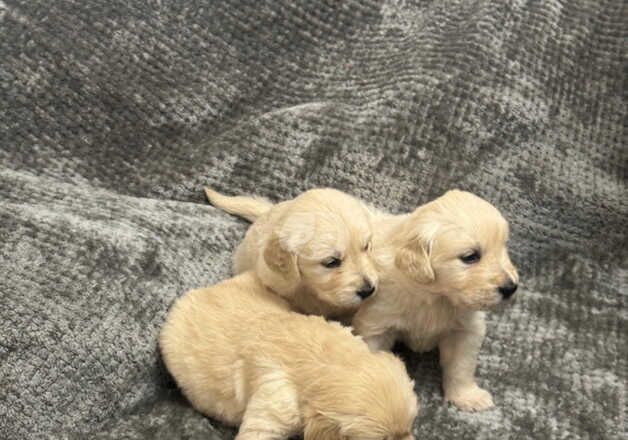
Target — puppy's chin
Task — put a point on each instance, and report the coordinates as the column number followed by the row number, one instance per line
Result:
column 476, row 301
column 503, row 303
column 346, row 301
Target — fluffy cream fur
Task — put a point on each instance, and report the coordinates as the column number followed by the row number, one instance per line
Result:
column 429, row 297
column 241, row 356
column 290, row 243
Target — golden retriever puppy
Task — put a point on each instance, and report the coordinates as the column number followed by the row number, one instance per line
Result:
column 441, row 266
column 241, row 356
column 313, row 250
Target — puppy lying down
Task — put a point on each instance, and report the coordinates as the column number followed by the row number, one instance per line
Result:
column 241, row 356
column 439, row 267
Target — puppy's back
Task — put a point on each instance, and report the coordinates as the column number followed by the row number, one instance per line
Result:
column 204, row 339
column 224, row 342
column 218, row 341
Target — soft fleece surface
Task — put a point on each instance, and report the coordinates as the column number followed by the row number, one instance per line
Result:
column 114, row 114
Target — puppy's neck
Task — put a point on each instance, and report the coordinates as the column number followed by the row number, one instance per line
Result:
column 387, row 240
column 400, row 281
column 428, row 294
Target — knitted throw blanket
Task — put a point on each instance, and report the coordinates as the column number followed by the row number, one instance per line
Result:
column 114, row 114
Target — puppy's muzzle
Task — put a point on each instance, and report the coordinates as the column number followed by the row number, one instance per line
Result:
column 367, row 289
column 508, row 289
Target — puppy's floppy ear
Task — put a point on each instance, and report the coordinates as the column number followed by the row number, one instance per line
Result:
column 280, row 260
column 413, row 258
column 320, row 428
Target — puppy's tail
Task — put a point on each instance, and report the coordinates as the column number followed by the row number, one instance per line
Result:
column 248, row 207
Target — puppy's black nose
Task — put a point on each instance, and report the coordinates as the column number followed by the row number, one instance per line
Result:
column 507, row 290
column 366, row 290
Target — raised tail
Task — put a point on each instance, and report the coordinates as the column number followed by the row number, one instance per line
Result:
column 248, row 207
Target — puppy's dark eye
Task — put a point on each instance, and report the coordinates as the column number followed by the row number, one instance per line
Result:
column 470, row 258
column 332, row 262
column 367, row 246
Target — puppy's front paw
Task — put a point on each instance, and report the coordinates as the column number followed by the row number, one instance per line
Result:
column 471, row 398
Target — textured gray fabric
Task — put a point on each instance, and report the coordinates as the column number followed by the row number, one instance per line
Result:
column 114, row 114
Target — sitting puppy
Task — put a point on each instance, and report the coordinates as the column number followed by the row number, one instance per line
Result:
column 443, row 264
column 240, row 355
column 314, row 250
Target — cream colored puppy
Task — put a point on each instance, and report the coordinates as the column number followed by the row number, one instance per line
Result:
column 442, row 265
column 313, row 250
column 241, row 356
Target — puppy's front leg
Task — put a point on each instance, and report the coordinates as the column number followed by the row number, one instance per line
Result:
column 272, row 412
column 381, row 342
column 265, row 425
column 458, row 357
column 259, row 435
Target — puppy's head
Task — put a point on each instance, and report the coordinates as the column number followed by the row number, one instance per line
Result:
column 373, row 401
column 321, row 244
column 456, row 246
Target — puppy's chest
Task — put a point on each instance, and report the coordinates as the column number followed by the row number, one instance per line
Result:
column 425, row 325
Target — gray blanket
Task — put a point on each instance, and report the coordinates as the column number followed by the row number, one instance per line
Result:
column 114, row 114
